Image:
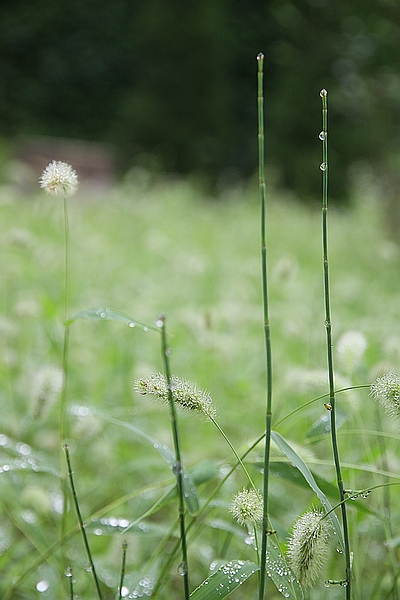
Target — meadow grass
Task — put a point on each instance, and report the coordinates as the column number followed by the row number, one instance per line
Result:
column 150, row 247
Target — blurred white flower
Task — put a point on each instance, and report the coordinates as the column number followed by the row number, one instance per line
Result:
column 59, row 179
column 386, row 391
column 351, row 348
column 46, row 388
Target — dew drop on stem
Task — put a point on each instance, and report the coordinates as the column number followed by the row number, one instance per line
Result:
column 323, row 166
column 182, row 569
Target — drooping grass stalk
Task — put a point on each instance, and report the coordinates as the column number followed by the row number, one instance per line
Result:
column 81, row 523
column 267, row 333
column 328, row 326
column 121, row 580
column 183, row 568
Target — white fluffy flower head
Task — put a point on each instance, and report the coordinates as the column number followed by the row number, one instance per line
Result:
column 59, row 179
column 386, row 391
column 247, row 507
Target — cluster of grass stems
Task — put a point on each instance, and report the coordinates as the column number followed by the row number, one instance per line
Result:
column 288, row 567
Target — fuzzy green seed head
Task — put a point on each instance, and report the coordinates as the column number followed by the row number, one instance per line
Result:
column 308, row 546
column 59, row 179
column 46, row 388
column 185, row 393
column 247, row 507
column 386, row 391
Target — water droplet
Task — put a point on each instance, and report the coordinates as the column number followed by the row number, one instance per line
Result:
column 88, row 567
column 131, row 324
column 339, row 551
column 68, row 572
column 177, row 468
column 327, row 584
column 323, row 93
column 182, row 568
column 343, row 583
column 260, row 56
column 323, row 166
column 322, row 136
column 145, row 328
column 42, row 586
column 102, row 315
column 160, row 323
column 23, row 449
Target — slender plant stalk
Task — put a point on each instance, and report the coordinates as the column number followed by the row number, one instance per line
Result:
column 121, row 581
column 267, row 335
column 81, row 523
column 328, row 326
column 63, row 399
column 183, row 567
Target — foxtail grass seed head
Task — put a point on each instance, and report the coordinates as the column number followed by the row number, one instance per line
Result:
column 59, row 179
column 247, row 508
column 351, row 348
column 386, row 391
column 308, row 546
column 185, row 393
column 46, row 388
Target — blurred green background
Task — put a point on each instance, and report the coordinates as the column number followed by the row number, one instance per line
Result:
column 171, row 85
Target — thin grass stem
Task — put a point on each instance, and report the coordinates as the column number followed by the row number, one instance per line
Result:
column 123, row 564
column 267, row 331
column 63, row 399
column 81, row 523
column 183, row 568
column 328, row 327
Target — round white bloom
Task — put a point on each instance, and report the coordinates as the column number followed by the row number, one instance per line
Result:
column 247, row 507
column 59, row 179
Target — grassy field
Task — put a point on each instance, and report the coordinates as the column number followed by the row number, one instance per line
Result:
column 147, row 248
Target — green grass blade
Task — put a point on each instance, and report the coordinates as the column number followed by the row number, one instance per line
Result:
column 100, row 313
column 190, row 492
column 227, row 579
column 301, row 465
column 277, row 569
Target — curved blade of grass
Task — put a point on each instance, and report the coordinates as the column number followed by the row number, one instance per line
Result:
column 100, row 313
column 190, row 492
column 283, row 578
column 227, row 579
column 301, row 465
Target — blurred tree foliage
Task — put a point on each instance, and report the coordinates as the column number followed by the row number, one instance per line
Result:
column 176, row 79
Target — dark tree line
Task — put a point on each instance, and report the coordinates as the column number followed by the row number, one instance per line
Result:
column 176, row 79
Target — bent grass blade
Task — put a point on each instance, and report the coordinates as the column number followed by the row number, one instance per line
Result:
column 99, row 313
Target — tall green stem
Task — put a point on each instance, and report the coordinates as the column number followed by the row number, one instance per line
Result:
column 81, row 523
column 178, row 467
column 63, row 399
column 328, row 326
column 267, row 333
